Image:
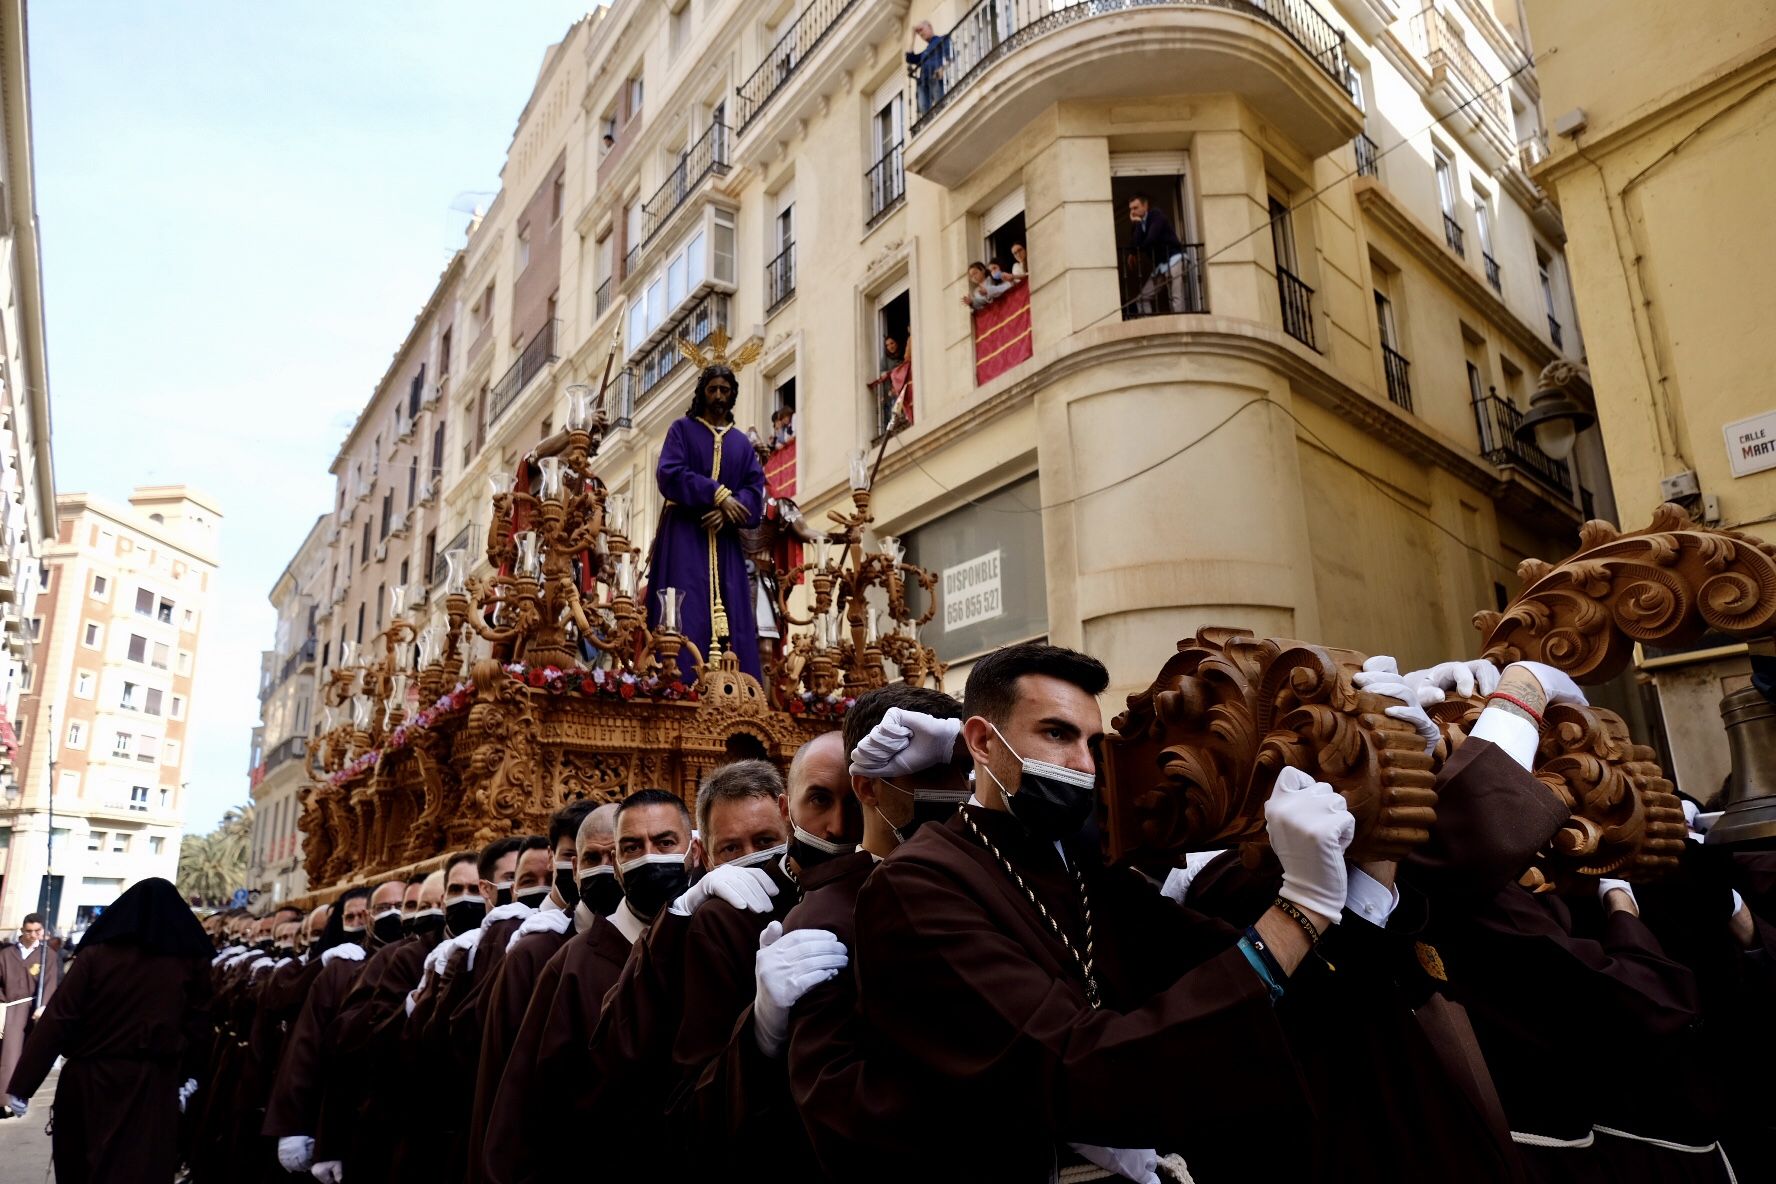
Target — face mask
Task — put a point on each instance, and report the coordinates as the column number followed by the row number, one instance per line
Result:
column 565, row 887
column 286, row 950
column 649, row 881
column 929, row 805
column 1052, row 801
column 810, row 850
column 428, row 921
column 266, row 946
column 502, row 893
column 534, row 897
column 760, row 858
column 353, row 932
column 460, row 916
column 387, row 926
column 406, row 924
column 600, row 891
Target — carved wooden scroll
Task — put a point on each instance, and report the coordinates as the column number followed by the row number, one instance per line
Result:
column 1626, row 821
column 1196, row 754
column 1665, row 585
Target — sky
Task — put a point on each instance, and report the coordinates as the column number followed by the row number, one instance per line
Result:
column 242, row 208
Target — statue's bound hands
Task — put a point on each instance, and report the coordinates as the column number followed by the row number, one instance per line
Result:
column 734, row 509
column 714, row 519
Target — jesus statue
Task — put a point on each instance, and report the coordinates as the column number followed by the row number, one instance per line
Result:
column 714, row 487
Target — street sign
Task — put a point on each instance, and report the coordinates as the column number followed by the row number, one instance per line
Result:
column 239, row 900
column 1751, row 444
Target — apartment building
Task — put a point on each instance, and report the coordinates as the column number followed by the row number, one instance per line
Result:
column 27, row 479
column 123, row 599
column 1662, row 176
column 1304, row 423
column 279, row 766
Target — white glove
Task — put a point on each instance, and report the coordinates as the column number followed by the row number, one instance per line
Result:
column 1464, row 678
column 1706, row 819
column 351, row 951
column 541, row 921
column 328, row 1171
column 788, row 966
column 1605, row 886
column 1129, row 1163
column 1310, row 827
column 296, row 1152
column 746, row 888
column 1178, row 880
column 905, row 742
column 185, row 1092
column 17, row 1105
column 1560, row 687
column 1691, row 811
column 1411, row 709
column 1738, row 903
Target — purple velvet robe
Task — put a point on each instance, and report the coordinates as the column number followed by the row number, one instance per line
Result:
column 681, row 549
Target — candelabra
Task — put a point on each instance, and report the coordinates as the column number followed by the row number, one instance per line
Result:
column 844, row 644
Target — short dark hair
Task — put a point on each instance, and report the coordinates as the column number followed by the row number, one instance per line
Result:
column 291, row 909
column 992, row 691
column 534, row 843
column 492, row 854
column 460, row 857
column 871, row 706
column 416, row 878
column 565, row 822
column 31, row 919
column 652, row 797
column 975, row 264
column 1140, row 197
column 735, row 782
column 700, row 398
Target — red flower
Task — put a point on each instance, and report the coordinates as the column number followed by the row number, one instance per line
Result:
column 795, row 707
column 535, row 678
column 678, row 686
column 588, row 686
column 626, row 690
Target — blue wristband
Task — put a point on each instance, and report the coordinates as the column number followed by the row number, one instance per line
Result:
column 1263, row 961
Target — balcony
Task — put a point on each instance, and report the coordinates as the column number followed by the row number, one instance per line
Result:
column 707, row 157
column 1396, row 367
column 1496, row 421
column 1156, row 288
column 1452, row 234
column 601, row 298
column 1462, row 92
column 1368, row 157
column 891, row 401
column 886, row 184
column 1492, row 273
column 293, row 748
column 532, row 360
column 1297, row 301
column 785, row 58
column 1281, row 56
column 780, row 279
column 1554, row 333
column 659, row 363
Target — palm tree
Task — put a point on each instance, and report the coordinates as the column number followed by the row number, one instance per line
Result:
column 212, row 866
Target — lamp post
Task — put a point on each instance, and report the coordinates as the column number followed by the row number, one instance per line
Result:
column 1555, row 417
column 46, row 894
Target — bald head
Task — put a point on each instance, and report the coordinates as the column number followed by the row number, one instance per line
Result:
column 597, row 841
column 431, row 891
column 819, row 798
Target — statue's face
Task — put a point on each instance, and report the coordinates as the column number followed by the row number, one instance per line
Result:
column 719, row 393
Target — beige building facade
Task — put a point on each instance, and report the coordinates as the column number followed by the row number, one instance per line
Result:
column 1312, row 402
column 1662, row 179
column 124, row 596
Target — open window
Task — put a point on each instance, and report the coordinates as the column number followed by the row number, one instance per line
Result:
column 1159, row 262
column 891, row 392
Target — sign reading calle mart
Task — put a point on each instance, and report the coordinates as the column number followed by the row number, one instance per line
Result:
column 1751, row 444
column 971, row 592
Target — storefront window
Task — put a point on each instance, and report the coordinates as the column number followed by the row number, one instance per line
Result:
column 989, row 562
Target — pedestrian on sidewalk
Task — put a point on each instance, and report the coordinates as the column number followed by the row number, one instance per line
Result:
column 132, row 1021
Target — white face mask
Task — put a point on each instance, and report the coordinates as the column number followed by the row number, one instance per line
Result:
column 760, row 858
column 431, row 912
column 820, row 844
column 644, row 860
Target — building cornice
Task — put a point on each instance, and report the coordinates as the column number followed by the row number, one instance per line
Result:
column 69, row 505
column 1378, row 202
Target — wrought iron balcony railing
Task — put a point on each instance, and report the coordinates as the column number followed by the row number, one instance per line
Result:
column 709, row 155
column 1496, row 421
column 1368, row 157
column 601, row 298
column 1297, row 299
column 1492, row 273
column 1445, row 49
column 530, row 362
column 886, row 181
column 785, row 58
column 1397, row 369
column 1148, row 291
column 992, row 29
column 1452, row 234
column 659, row 363
column 1554, row 333
column 780, row 278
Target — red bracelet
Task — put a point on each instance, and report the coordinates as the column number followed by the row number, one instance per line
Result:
column 1515, row 701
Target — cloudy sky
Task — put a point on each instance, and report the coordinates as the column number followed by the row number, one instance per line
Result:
column 242, row 208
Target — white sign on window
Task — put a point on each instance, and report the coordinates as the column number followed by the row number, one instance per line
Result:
column 1751, row 444
column 971, row 592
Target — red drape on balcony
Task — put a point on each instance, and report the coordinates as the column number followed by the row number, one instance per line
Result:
column 1002, row 334
column 780, row 481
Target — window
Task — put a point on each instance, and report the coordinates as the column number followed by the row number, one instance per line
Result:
column 1282, row 236
column 91, row 637
column 523, row 248
column 635, row 96
column 557, row 197
column 123, row 744
column 161, row 651
column 36, row 628
column 679, row 34
column 156, row 844
column 1545, row 276
column 100, row 586
column 169, row 750
column 165, row 615
column 1483, row 222
column 381, row 595
column 139, row 797
column 1476, row 388
column 184, row 666
column 76, row 735
column 360, row 636
column 120, row 843
column 364, row 552
column 148, row 747
column 67, row 786
column 43, row 579
column 152, row 700
column 388, row 512
column 1452, row 229
column 95, row 840
column 444, row 354
column 138, row 648
column 1384, row 321
column 83, row 684
column 127, row 700
column 1395, row 368
column 144, row 602
column 431, row 552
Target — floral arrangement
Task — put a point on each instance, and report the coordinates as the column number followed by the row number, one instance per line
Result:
column 553, row 680
column 812, row 706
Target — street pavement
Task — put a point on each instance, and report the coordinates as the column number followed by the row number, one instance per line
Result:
column 24, row 1148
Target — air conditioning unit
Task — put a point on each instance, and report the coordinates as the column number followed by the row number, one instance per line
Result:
column 432, row 396
column 430, row 493
column 333, row 536
column 382, row 551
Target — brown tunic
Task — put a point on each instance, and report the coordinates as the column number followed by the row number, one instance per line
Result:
column 19, row 980
column 132, row 1026
column 543, row 1090
column 300, row 1088
column 503, row 1005
column 360, row 1111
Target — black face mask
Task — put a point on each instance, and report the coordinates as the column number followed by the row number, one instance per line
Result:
column 387, row 927
column 565, row 887
column 534, row 897
column 1052, row 801
column 502, row 894
column 266, row 946
column 460, row 916
column 600, row 890
column 427, row 922
column 649, row 881
column 407, row 925
column 353, row 934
